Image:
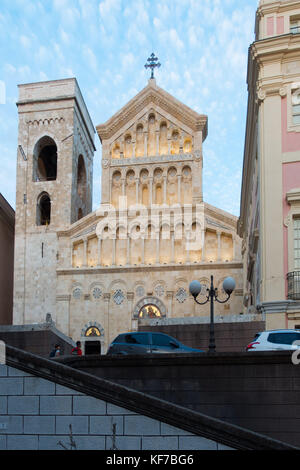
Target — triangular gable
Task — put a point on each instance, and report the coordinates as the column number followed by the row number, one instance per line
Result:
column 152, row 94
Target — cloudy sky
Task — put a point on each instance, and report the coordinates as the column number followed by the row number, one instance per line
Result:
column 202, row 46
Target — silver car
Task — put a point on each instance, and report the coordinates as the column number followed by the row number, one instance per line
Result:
column 275, row 340
column 147, row 342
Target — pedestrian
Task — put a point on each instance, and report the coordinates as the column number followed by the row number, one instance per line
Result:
column 77, row 350
column 56, row 351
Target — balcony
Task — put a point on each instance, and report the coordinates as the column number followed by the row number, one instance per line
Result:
column 295, row 29
column 293, row 279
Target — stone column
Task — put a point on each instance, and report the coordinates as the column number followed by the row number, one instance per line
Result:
column 99, row 252
column 157, row 142
column 110, row 189
column 145, row 144
column 157, row 248
column 170, row 302
column 165, row 190
column 219, row 246
column 133, row 143
column 169, row 145
column 114, row 251
column 150, row 191
column 203, row 245
column 137, row 190
column 84, row 252
column 128, row 250
column 72, row 253
column 130, row 297
column 106, row 298
column 233, row 247
column 172, row 248
column 179, row 189
column 143, row 250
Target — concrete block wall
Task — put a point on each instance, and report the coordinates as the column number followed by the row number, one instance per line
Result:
column 36, row 414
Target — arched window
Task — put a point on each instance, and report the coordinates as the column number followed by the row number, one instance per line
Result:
column 149, row 311
column 81, row 178
column 45, row 160
column 43, row 215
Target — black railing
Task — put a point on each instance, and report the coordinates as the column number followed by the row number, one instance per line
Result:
column 293, row 279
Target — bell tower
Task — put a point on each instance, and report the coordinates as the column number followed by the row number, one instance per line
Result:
column 54, row 187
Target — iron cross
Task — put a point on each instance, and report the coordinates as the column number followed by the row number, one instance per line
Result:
column 152, row 64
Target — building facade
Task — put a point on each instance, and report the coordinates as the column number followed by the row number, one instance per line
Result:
column 102, row 272
column 7, row 236
column 270, row 198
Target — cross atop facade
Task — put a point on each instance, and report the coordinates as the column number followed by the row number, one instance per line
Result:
column 152, row 64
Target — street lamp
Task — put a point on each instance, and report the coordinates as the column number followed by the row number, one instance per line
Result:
column 195, row 289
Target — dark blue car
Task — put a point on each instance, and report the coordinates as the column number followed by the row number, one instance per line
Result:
column 146, row 342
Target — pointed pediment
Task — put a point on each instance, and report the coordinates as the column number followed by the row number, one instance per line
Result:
column 159, row 98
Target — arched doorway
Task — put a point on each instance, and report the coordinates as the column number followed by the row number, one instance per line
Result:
column 92, row 338
column 149, row 308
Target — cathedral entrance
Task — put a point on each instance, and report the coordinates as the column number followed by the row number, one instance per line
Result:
column 92, row 336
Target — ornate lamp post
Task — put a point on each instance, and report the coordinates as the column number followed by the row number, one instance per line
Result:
column 212, row 294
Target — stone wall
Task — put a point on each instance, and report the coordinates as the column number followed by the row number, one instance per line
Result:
column 258, row 391
column 7, row 233
column 229, row 336
column 36, row 414
column 38, row 339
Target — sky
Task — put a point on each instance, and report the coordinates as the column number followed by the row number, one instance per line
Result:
column 202, row 46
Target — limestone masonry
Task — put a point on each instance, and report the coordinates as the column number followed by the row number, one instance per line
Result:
column 102, row 272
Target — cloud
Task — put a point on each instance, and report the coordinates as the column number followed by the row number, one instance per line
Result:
column 202, row 46
column 90, row 57
column 25, row 41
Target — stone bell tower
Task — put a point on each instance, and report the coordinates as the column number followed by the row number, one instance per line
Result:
column 54, row 188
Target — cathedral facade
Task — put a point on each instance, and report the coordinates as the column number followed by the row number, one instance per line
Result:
column 102, row 272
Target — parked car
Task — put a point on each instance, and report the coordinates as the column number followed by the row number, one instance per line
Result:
column 147, row 342
column 275, row 340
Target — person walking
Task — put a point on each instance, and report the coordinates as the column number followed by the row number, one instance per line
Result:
column 56, row 351
column 77, row 350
